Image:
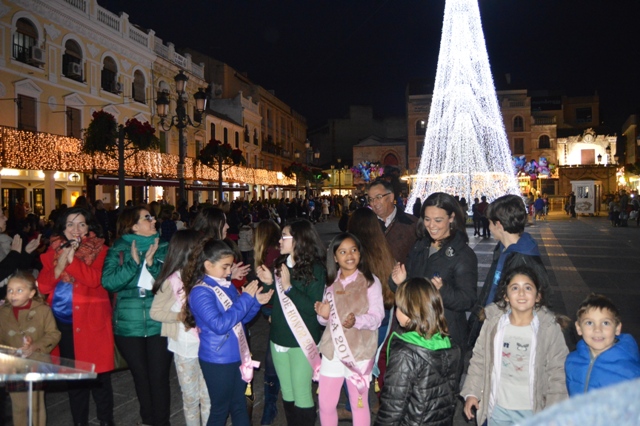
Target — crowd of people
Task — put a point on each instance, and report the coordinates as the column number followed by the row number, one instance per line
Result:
column 385, row 305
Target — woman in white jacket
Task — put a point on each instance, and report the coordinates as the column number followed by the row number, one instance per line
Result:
column 167, row 308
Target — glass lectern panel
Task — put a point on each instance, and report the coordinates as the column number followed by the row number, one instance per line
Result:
column 39, row 367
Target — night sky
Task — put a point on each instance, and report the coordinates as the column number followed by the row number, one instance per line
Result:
column 322, row 56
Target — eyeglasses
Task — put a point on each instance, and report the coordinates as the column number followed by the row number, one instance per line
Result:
column 286, row 237
column 377, row 197
column 148, row 218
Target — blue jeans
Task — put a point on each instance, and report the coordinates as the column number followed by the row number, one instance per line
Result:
column 503, row 417
column 226, row 391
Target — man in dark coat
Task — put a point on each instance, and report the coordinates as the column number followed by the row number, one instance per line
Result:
column 399, row 228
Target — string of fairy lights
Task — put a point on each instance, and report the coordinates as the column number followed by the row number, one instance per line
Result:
column 466, row 151
column 45, row 151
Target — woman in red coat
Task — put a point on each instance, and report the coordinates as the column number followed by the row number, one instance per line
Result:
column 71, row 279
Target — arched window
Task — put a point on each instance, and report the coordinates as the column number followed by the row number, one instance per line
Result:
column 109, row 75
column 421, row 127
column 237, row 140
column 390, row 160
column 212, row 131
column 246, row 134
column 255, row 137
column 25, row 37
column 225, row 134
column 518, row 124
column 72, row 60
column 137, row 87
column 544, row 142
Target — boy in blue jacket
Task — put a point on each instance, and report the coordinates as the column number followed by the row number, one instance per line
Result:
column 604, row 356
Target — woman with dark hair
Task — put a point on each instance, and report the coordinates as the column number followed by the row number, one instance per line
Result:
column 442, row 255
column 130, row 268
column 301, row 277
column 211, row 222
column 71, row 278
column 168, row 302
column 266, row 246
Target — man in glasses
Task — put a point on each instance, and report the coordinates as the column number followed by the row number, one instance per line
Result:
column 399, row 228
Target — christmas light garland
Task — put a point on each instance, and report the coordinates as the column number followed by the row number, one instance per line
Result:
column 44, row 151
column 466, row 151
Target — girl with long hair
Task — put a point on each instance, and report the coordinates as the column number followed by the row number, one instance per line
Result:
column 167, row 308
column 300, row 281
column 352, row 309
column 266, row 251
column 71, row 279
column 220, row 313
column 517, row 367
column 421, row 377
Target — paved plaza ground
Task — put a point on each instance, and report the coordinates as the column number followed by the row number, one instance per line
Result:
column 582, row 255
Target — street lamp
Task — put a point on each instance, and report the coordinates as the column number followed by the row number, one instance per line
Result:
column 599, row 159
column 296, row 155
column 181, row 120
column 339, row 176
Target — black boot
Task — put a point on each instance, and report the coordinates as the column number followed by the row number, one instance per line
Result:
column 307, row 416
column 290, row 411
column 271, row 390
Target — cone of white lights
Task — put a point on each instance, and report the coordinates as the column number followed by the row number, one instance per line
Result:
column 466, row 151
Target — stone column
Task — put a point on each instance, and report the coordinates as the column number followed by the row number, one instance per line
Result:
column 49, row 191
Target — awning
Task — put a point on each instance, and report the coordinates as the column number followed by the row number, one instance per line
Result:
column 113, row 180
column 130, row 181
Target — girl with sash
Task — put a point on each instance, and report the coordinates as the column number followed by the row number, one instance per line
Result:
column 352, row 310
column 167, row 308
column 295, row 331
column 219, row 312
column 422, row 363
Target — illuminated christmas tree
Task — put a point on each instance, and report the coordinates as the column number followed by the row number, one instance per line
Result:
column 465, row 151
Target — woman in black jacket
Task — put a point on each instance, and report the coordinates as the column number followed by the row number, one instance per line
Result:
column 443, row 256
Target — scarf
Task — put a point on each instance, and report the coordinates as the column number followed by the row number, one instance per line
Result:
column 88, row 249
column 142, row 242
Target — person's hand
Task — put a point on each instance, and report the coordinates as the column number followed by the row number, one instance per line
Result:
column 285, row 277
column 239, row 271
column 323, row 309
column 251, row 289
column 16, row 243
column 469, row 404
column 264, row 275
column 134, row 252
column 349, row 321
column 148, row 257
column 27, row 348
column 399, row 273
column 263, row 298
column 32, row 245
column 63, row 260
column 437, row 282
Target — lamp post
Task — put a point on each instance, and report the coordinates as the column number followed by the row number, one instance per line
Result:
column 181, row 120
column 339, row 176
column 296, row 155
column 599, row 157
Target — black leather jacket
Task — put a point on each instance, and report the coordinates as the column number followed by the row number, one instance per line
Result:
column 457, row 264
column 420, row 386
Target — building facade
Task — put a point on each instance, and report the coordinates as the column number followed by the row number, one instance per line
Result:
column 60, row 61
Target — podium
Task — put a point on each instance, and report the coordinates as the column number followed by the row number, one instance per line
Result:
column 38, row 368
